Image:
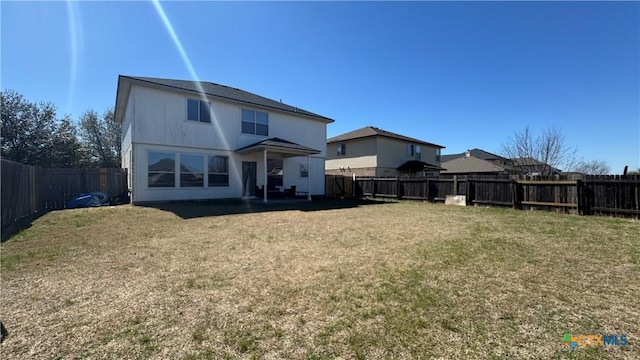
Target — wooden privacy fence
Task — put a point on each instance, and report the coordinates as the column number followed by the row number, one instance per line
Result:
column 617, row 195
column 29, row 189
column 339, row 186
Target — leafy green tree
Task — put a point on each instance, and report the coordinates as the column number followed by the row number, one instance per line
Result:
column 65, row 148
column 100, row 137
column 26, row 129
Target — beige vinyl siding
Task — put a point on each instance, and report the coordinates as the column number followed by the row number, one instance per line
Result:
column 360, row 153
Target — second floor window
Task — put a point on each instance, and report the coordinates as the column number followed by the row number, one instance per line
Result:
column 342, row 149
column 198, row 110
column 410, row 150
column 437, row 155
column 414, row 151
column 255, row 122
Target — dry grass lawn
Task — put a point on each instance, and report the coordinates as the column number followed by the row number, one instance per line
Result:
column 366, row 281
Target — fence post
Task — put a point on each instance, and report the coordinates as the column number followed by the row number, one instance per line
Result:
column 514, row 193
column 427, row 190
column 468, row 194
column 353, row 186
column 374, row 186
column 455, row 185
column 398, row 189
column 579, row 199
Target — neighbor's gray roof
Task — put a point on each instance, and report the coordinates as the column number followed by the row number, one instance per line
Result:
column 374, row 131
column 470, row 164
column 279, row 144
column 531, row 162
column 478, row 153
column 224, row 92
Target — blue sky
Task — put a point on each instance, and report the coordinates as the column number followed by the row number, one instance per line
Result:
column 459, row 74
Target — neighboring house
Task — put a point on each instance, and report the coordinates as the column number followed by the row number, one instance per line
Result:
column 375, row 152
column 476, row 162
column 530, row 166
column 184, row 140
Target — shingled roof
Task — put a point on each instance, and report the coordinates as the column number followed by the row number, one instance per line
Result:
column 218, row 91
column 465, row 165
column 369, row 131
column 477, row 153
column 278, row 144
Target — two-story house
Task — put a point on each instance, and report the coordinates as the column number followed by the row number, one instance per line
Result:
column 184, row 140
column 371, row 151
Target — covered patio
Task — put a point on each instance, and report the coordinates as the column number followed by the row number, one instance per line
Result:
column 276, row 148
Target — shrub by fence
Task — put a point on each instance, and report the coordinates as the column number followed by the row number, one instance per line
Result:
column 587, row 195
column 27, row 190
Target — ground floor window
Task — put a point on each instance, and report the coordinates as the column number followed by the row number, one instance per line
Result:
column 218, row 168
column 161, row 169
column 191, row 170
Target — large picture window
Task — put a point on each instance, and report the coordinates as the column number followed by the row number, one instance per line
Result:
column 161, row 169
column 255, row 122
column 218, row 168
column 191, row 170
column 198, row 110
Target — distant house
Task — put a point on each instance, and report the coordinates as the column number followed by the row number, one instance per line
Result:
column 371, row 151
column 530, row 166
column 476, row 162
column 184, row 140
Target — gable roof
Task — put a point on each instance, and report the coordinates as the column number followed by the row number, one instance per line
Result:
column 212, row 90
column 462, row 165
column 278, row 145
column 369, row 131
column 478, row 153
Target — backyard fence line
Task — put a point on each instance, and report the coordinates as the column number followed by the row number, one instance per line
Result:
column 27, row 190
column 339, row 186
column 585, row 195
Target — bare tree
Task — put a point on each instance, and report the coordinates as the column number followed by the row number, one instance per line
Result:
column 594, row 167
column 542, row 154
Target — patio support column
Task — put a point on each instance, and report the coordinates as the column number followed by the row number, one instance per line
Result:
column 264, row 188
column 308, row 177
